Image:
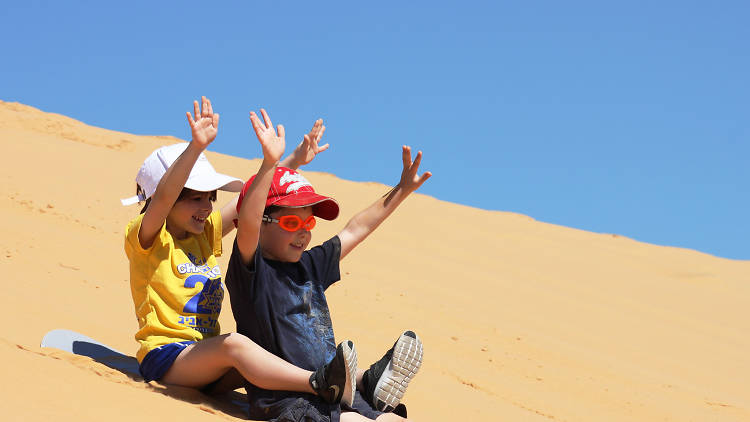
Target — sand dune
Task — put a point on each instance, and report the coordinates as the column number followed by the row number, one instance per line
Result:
column 522, row 320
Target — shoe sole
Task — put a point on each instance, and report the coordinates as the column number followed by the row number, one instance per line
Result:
column 350, row 357
column 404, row 364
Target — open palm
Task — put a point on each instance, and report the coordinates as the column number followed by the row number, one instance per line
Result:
column 205, row 124
column 309, row 148
column 273, row 144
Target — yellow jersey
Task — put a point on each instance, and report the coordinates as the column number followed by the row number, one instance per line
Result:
column 176, row 285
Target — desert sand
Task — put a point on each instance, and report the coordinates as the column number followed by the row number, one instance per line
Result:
column 521, row 320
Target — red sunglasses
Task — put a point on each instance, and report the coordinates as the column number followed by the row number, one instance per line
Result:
column 292, row 223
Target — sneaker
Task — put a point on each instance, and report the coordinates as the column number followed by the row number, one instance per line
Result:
column 335, row 382
column 385, row 383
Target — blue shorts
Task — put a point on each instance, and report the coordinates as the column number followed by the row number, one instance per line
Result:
column 157, row 362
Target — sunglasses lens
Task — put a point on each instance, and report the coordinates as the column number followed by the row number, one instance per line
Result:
column 290, row 222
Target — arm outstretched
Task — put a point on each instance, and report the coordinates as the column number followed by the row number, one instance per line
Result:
column 366, row 221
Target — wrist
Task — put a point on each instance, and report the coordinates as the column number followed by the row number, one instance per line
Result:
column 193, row 151
column 196, row 146
column 269, row 163
column 294, row 161
column 401, row 191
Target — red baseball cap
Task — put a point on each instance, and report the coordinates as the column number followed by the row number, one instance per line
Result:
column 290, row 189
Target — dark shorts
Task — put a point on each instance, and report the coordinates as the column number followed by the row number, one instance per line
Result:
column 360, row 406
column 157, row 362
column 304, row 411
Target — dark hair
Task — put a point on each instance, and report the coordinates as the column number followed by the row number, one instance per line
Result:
column 187, row 192
column 271, row 209
column 139, row 191
column 183, row 193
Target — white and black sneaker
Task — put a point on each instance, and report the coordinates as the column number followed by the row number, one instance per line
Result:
column 385, row 383
column 336, row 381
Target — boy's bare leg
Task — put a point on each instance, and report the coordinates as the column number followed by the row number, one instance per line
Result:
column 206, row 361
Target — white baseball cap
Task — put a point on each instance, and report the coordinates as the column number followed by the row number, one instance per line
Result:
column 203, row 177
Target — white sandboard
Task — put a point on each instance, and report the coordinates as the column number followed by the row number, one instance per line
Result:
column 79, row 344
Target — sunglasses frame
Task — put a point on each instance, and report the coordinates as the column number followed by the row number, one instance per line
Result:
column 303, row 224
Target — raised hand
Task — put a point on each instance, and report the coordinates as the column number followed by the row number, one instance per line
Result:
column 273, row 145
column 410, row 181
column 309, row 148
column 205, row 124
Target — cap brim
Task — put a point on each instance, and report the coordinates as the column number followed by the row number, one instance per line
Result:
column 323, row 206
column 216, row 181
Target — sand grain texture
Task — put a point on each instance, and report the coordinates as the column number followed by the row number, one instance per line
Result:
column 521, row 320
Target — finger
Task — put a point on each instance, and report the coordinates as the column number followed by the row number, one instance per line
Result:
column 406, row 156
column 280, row 129
column 411, row 172
column 190, row 119
column 306, row 141
column 417, row 160
column 323, row 148
column 255, row 122
column 196, row 110
column 210, row 107
column 216, row 120
column 204, row 107
column 423, row 179
column 322, row 131
column 266, row 119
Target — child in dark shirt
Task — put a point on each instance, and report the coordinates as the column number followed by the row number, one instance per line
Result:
column 277, row 287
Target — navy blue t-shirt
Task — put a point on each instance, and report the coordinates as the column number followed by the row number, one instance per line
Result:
column 282, row 307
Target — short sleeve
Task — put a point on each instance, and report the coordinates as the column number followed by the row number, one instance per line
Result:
column 240, row 277
column 132, row 244
column 323, row 261
column 213, row 232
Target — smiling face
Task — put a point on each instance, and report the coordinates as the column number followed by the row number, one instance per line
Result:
column 189, row 213
column 281, row 245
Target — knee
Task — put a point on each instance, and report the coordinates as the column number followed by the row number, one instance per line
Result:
column 235, row 343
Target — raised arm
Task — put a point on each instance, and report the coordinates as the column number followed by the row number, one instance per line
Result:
column 229, row 216
column 303, row 154
column 366, row 221
column 204, row 127
column 254, row 201
column 307, row 149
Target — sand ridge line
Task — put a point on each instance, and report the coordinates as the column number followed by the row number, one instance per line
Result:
column 489, row 392
column 49, row 209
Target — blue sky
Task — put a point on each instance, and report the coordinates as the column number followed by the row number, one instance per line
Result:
column 631, row 118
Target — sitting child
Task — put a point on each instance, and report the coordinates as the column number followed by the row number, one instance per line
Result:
column 175, row 279
column 277, row 288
